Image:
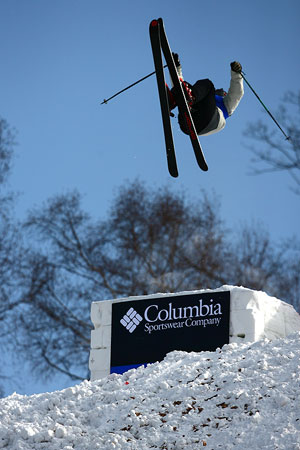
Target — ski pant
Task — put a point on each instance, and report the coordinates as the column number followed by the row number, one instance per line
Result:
column 203, row 108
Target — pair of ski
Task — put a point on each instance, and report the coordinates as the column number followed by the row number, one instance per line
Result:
column 159, row 44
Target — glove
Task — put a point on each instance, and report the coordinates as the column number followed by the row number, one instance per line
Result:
column 176, row 59
column 236, row 66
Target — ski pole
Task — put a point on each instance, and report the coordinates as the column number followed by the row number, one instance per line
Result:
column 243, row 75
column 128, row 87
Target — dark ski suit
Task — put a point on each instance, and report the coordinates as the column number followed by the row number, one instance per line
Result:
column 210, row 111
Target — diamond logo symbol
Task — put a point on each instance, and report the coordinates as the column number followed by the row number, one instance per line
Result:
column 131, row 320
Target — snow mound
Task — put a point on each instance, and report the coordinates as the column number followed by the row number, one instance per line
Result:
column 241, row 396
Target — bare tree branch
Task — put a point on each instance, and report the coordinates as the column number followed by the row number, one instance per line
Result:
column 272, row 153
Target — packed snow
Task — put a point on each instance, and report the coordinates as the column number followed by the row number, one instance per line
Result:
column 243, row 396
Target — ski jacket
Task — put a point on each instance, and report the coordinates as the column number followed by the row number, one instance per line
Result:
column 231, row 101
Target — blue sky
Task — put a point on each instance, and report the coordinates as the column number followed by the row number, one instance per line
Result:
column 61, row 58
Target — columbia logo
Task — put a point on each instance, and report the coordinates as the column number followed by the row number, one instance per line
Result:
column 131, row 320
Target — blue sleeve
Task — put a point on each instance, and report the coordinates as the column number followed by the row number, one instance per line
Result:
column 220, row 104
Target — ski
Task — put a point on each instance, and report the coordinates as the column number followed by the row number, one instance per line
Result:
column 159, row 43
column 155, row 39
column 181, row 101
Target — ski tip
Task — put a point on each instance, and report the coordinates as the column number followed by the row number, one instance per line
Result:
column 154, row 23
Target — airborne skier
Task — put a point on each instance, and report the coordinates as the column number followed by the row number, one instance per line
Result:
column 209, row 107
column 203, row 110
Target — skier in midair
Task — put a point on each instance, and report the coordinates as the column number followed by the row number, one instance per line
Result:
column 209, row 107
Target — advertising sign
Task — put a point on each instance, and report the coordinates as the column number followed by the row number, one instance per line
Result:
column 144, row 331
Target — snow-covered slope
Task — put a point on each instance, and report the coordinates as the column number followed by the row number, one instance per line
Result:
column 244, row 396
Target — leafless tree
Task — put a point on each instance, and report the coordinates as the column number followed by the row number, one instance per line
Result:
column 7, row 230
column 8, row 236
column 272, row 152
column 152, row 241
column 260, row 264
column 7, row 142
column 288, row 279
